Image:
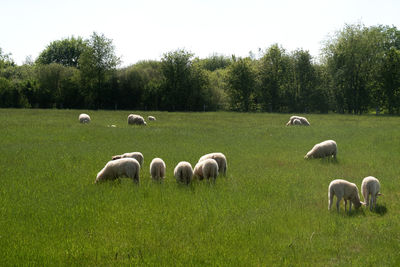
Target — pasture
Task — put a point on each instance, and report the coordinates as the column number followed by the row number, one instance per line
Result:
column 270, row 210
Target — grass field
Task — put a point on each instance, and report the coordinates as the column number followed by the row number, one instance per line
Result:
column 270, row 210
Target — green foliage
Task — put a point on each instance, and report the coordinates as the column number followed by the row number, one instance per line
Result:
column 241, row 79
column 215, row 62
column 65, row 52
column 270, row 210
column 274, row 77
column 98, row 63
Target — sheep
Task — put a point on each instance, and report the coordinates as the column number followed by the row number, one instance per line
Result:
column 136, row 155
column 296, row 122
column 183, row 172
column 207, row 168
column 219, row 158
column 324, row 149
column 347, row 191
column 84, row 118
column 151, row 118
column 157, row 169
column 114, row 169
column 303, row 121
column 136, row 119
column 370, row 186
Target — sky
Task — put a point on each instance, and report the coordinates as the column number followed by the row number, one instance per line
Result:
column 146, row 30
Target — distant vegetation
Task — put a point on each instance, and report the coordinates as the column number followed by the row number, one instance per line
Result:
column 358, row 72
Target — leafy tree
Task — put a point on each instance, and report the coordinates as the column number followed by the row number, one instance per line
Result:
column 354, row 59
column 215, row 62
column 274, row 77
column 390, row 77
column 65, row 52
column 241, row 79
column 98, row 64
column 304, row 80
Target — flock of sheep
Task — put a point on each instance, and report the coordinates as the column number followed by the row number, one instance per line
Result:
column 129, row 165
column 210, row 165
column 340, row 188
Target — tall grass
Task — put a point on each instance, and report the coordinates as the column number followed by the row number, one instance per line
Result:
column 271, row 209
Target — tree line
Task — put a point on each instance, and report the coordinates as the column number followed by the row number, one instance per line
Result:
column 358, row 72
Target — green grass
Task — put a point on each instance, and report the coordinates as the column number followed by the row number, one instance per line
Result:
column 270, row 210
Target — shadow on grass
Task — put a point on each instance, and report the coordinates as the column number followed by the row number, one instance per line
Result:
column 380, row 209
column 329, row 160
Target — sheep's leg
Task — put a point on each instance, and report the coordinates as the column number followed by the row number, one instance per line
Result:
column 345, row 205
column 350, row 205
column 338, row 203
column 330, row 199
column 373, row 203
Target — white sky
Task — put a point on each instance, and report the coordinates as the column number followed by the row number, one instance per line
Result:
column 147, row 29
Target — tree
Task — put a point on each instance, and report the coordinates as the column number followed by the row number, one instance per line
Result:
column 274, row 76
column 354, row 59
column 65, row 52
column 241, row 80
column 98, row 64
column 390, row 77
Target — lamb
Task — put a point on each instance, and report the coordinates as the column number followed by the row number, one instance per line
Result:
column 219, row 158
column 136, row 155
column 324, row 149
column 207, row 168
column 370, row 186
column 151, row 118
column 347, row 191
column 157, row 169
column 296, row 122
column 136, row 119
column 84, row 118
column 183, row 172
column 303, row 121
column 114, row 169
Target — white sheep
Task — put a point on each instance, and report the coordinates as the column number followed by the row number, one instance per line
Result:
column 324, row 149
column 207, row 168
column 370, row 186
column 157, row 169
column 219, row 158
column 136, row 155
column 347, row 191
column 303, row 121
column 183, row 172
column 151, row 118
column 296, row 122
column 136, row 119
column 114, row 169
column 84, row 118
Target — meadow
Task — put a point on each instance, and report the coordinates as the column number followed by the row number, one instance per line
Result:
column 270, row 210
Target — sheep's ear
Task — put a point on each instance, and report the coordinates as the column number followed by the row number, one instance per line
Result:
column 379, row 194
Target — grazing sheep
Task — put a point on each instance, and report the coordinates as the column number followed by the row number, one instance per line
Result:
column 157, row 169
column 303, row 121
column 324, row 149
column 183, row 172
column 114, row 169
column 84, row 118
column 296, row 122
column 206, row 168
column 219, row 158
column 151, row 118
column 347, row 191
column 136, row 120
column 370, row 186
column 136, row 155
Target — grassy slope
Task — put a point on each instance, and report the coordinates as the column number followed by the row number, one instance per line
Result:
column 271, row 209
